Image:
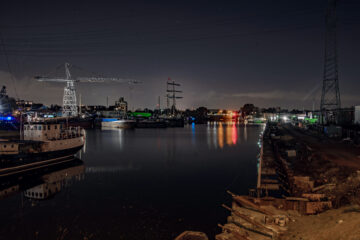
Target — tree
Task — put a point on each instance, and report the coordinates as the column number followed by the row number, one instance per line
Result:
column 247, row 109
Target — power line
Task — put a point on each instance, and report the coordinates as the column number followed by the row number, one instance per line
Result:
column 88, row 49
column 8, row 64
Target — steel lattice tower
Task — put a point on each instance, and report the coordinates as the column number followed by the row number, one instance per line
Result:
column 330, row 97
column 69, row 98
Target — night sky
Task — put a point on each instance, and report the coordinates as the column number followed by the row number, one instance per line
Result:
column 224, row 53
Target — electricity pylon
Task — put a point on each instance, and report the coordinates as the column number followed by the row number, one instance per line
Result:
column 330, row 97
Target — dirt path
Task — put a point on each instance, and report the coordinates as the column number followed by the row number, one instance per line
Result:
column 340, row 153
column 335, row 224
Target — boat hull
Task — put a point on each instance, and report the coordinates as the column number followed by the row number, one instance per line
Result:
column 118, row 124
column 151, row 124
column 12, row 163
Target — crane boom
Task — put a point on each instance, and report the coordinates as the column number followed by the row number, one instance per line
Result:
column 106, row 79
column 69, row 99
column 46, row 79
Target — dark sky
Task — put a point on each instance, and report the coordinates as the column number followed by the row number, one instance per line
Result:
column 224, row 53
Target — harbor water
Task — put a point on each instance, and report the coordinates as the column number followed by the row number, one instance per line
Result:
column 139, row 184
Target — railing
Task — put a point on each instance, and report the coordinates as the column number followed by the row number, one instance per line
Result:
column 68, row 133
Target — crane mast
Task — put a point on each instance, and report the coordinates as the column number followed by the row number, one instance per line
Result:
column 171, row 94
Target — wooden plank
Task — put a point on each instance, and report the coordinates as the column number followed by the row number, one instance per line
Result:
column 243, row 201
column 248, row 219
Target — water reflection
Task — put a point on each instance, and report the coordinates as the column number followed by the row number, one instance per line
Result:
column 221, row 134
column 133, row 185
column 234, row 135
column 245, row 133
column 43, row 183
column 171, row 148
column 193, row 134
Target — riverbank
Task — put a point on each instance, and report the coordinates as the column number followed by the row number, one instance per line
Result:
column 308, row 187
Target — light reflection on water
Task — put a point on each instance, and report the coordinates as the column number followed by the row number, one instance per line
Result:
column 146, row 178
column 220, row 134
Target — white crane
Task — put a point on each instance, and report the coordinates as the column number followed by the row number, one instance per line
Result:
column 69, row 107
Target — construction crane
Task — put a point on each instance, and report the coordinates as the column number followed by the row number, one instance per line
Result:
column 69, row 108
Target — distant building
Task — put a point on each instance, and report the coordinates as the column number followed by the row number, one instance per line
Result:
column 121, row 105
column 94, row 108
column 24, row 105
column 7, row 104
column 357, row 114
column 346, row 116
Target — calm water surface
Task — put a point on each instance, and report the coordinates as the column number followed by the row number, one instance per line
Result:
column 139, row 184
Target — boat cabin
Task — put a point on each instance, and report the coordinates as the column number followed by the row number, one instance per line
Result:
column 49, row 131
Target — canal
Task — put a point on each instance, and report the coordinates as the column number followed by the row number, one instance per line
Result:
column 139, row 184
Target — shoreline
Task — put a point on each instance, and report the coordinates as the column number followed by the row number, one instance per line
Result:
column 303, row 190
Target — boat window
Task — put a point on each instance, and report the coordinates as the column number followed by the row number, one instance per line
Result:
column 4, row 146
column 12, row 145
column 48, row 127
column 39, row 127
column 55, row 126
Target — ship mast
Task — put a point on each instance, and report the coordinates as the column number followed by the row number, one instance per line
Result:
column 171, row 94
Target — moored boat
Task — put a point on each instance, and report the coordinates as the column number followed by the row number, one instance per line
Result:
column 42, row 143
column 117, row 123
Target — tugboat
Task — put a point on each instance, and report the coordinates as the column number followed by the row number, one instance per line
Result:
column 42, row 143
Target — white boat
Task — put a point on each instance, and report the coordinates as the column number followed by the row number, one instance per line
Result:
column 107, row 123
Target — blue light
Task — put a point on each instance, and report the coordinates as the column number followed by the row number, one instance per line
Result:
column 8, row 118
column 109, row 119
